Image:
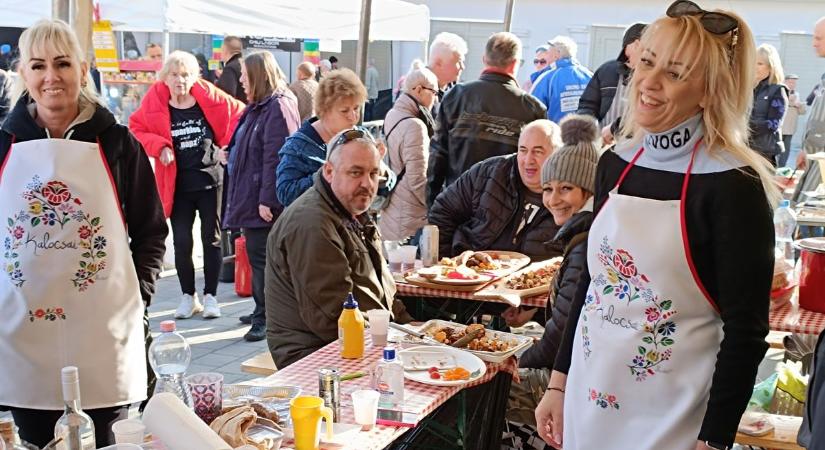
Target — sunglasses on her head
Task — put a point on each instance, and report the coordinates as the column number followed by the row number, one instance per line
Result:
column 712, row 22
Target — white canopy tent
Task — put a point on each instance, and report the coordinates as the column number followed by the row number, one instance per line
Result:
column 23, row 13
column 392, row 20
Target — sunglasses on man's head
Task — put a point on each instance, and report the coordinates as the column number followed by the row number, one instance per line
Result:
column 539, row 61
column 713, row 22
column 349, row 136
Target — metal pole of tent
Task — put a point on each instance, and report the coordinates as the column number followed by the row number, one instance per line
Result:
column 508, row 14
column 363, row 40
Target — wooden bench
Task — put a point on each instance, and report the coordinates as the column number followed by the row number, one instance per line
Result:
column 260, row 364
column 783, row 436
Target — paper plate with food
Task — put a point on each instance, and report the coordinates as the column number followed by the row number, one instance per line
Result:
column 498, row 263
column 451, row 366
column 489, row 345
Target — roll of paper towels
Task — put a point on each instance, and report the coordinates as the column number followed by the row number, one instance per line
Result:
column 178, row 427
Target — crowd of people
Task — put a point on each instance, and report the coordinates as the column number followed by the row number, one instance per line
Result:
column 651, row 178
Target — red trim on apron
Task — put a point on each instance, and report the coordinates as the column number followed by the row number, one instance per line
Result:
column 112, row 181
column 682, row 219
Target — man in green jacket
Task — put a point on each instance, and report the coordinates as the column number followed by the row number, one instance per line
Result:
column 324, row 246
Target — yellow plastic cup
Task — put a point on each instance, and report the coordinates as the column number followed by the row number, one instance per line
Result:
column 307, row 412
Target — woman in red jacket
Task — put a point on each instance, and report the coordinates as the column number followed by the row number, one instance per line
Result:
column 184, row 122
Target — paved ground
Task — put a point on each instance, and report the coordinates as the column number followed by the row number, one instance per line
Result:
column 217, row 344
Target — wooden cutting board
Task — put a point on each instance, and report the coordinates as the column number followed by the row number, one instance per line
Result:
column 499, row 289
column 425, row 283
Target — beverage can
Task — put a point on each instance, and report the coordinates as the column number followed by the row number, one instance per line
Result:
column 429, row 245
column 329, row 389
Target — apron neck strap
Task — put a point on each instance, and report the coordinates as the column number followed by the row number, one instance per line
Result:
column 639, row 153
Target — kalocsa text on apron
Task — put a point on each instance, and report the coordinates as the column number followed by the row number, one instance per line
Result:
column 646, row 342
column 69, row 292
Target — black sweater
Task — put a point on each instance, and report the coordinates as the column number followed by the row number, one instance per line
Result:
column 132, row 175
column 731, row 237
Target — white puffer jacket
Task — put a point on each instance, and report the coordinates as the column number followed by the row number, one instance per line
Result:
column 408, row 146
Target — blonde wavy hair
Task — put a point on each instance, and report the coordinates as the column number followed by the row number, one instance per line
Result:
column 57, row 37
column 771, row 56
column 335, row 85
column 726, row 63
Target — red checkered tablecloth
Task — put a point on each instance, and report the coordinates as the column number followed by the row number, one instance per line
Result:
column 406, row 289
column 420, row 399
column 793, row 319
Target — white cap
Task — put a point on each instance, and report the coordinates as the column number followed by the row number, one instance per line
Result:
column 71, row 383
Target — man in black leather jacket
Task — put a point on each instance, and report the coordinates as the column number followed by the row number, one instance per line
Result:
column 481, row 119
column 497, row 204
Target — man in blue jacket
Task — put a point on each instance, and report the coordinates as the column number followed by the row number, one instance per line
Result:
column 560, row 89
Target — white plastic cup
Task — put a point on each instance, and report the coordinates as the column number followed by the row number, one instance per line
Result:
column 379, row 326
column 365, row 405
column 129, row 431
column 408, row 257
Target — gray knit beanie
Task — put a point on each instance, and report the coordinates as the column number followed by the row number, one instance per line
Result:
column 575, row 162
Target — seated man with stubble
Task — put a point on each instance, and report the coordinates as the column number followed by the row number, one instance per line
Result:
column 324, row 246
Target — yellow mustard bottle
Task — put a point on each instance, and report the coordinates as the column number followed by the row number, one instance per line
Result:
column 351, row 330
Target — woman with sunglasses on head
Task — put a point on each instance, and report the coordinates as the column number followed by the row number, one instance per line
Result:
column 251, row 206
column 407, row 130
column 770, row 100
column 667, row 328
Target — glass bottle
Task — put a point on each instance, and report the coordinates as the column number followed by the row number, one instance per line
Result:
column 75, row 427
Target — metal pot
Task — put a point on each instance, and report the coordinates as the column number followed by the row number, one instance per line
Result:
column 812, row 278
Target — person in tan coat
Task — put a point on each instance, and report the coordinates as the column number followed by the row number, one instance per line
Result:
column 407, row 130
column 304, row 89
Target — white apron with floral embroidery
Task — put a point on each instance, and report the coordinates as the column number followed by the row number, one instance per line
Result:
column 69, row 292
column 647, row 338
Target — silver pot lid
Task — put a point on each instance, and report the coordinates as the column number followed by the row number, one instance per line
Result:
column 814, row 244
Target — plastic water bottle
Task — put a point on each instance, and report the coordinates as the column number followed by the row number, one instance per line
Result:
column 169, row 356
column 389, row 380
column 784, row 222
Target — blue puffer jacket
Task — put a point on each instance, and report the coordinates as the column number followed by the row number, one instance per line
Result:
column 560, row 89
column 300, row 157
column 253, row 158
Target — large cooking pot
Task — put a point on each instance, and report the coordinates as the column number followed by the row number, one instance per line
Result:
column 812, row 278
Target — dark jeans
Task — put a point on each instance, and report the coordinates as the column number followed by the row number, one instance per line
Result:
column 36, row 426
column 256, row 250
column 207, row 204
column 783, row 157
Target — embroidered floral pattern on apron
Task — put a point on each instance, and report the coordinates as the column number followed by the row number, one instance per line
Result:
column 53, row 204
column 625, row 281
column 47, row 314
column 603, row 400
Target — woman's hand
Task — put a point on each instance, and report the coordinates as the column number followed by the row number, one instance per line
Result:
column 167, row 156
column 518, row 316
column 801, row 160
column 702, row 446
column 550, row 411
column 223, row 156
column 265, row 213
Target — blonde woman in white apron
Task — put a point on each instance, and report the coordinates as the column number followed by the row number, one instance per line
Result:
column 82, row 243
column 667, row 328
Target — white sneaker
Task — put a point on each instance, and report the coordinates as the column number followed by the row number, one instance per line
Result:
column 210, row 307
column 189, row 305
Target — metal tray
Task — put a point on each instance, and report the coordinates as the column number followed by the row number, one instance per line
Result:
column 521, row 342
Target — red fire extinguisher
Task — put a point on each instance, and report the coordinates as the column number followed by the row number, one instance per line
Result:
column 243, row 271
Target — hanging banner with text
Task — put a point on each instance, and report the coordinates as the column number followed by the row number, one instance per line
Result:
column 272, row 43
column 103, row 41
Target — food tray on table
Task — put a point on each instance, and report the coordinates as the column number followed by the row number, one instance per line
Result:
column 468, row 272
column 532, row 280
column 271, row 402
column 514, row 343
